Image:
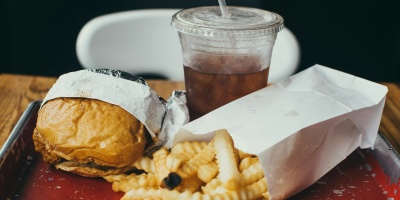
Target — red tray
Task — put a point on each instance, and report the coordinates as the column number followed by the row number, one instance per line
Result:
column 365, row 174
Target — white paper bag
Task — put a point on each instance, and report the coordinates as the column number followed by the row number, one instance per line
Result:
column 300, row 127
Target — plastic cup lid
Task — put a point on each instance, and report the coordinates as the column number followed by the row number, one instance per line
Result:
column 242, row 21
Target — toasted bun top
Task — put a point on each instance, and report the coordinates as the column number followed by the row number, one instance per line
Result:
column 88, row 131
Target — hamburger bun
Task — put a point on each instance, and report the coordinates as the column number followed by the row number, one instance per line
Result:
column 89, row 137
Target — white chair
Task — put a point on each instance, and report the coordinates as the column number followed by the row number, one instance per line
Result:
column 143, row 42
column 285, row 56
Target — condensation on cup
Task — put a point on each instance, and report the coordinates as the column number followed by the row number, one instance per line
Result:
column 224, row 58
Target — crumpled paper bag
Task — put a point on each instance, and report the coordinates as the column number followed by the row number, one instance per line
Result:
column 300, row 127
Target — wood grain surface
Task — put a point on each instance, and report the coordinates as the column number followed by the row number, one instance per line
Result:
column 390, row 123
column 17, row 91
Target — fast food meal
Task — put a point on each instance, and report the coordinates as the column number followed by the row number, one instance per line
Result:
column 214, row 169
column 195, row 170
column 89, row 137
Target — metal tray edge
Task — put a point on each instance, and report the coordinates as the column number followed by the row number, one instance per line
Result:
column 387, row 157
column 16, row 132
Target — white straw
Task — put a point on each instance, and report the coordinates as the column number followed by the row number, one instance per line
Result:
column 224, row 9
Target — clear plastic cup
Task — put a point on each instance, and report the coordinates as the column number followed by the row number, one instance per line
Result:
column 224, row 58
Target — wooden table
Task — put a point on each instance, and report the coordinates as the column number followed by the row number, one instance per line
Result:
column 17, row 91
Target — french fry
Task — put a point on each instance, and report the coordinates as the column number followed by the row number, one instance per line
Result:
column 251, row 174
column 134, row 181
column 247, row 162
column 144, row 193
column 146, row 164
column 207, row 172
column 183, row 152
column 237, row 156
column 184, row 195
column 253, row 191
column 113, row 178
column 159, row 158
column 191, row 184
column 196, row 170
column 224, row 151
column 175, row 160
column 243, row 155
column 266, row 195
column 211, row 186
column 188, row 147
column 190, row 168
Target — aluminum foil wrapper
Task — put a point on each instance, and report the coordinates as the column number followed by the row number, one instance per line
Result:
column 162, row 118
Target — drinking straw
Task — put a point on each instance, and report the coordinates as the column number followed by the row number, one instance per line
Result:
column 224, row 9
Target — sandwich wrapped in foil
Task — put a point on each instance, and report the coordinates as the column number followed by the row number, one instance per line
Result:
column 162, row 118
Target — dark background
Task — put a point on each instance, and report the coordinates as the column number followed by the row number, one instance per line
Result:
column 361, row 37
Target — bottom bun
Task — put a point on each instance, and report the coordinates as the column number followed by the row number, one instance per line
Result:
column 91, row 170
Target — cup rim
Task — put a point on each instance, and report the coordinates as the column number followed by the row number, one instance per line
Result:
column 244, row 22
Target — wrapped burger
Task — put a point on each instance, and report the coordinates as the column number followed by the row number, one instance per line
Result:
column 99, row 122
